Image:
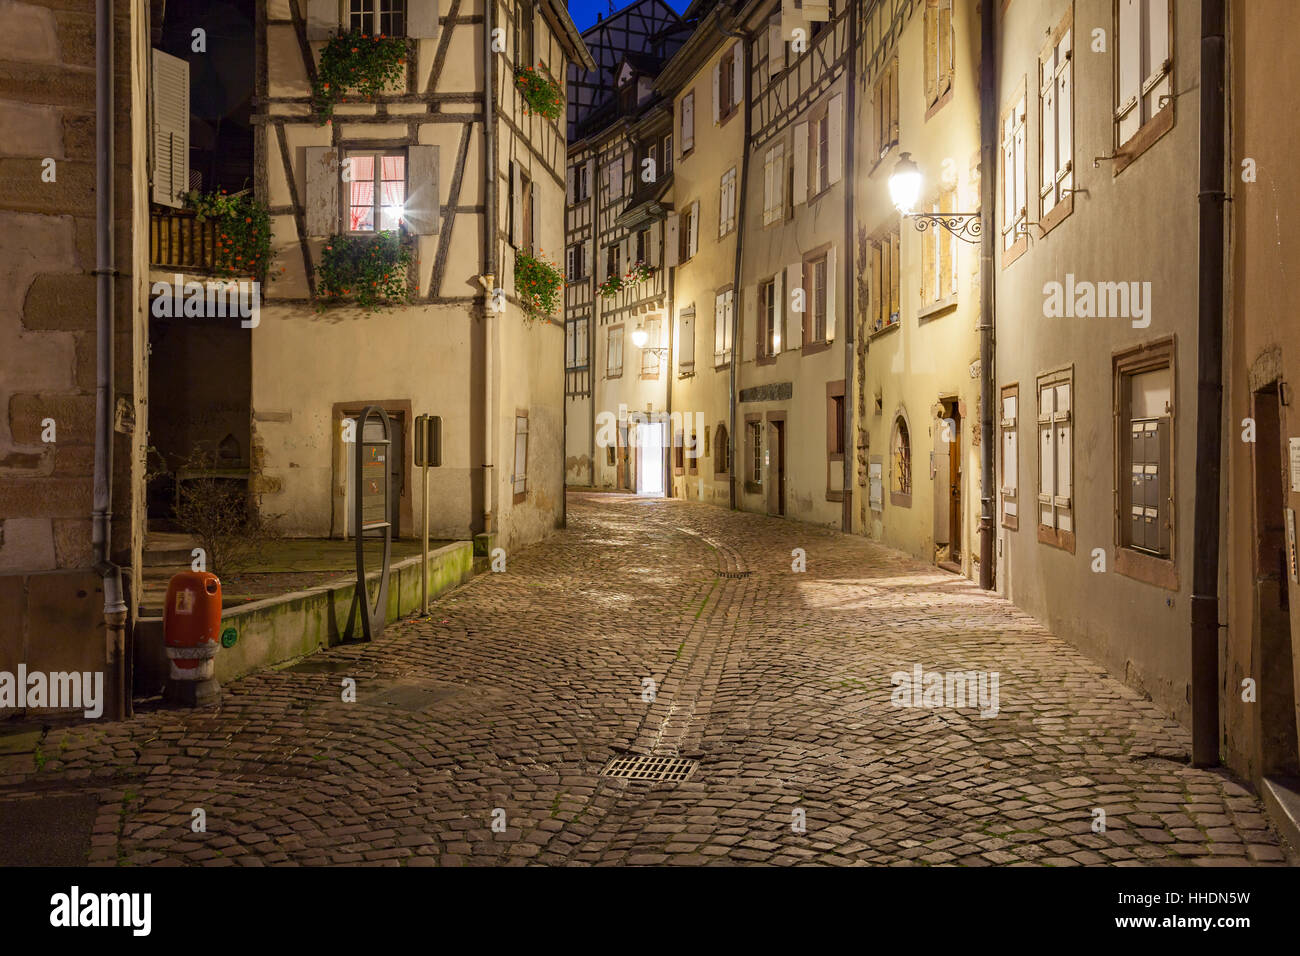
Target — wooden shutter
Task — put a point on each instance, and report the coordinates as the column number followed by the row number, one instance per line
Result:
column 800, row 164
column 591, row 178
column 322, row 213
column 656, row 232
column 944, row 46
column 931, row 52
column 602, row 267
column 778, row 313
column 719, row 327
column 322, row 19
column 835, row 136
column 832, row 286
column 686, row 340
column 688, row 122
column 568, row 185
column 717, row 92
column 422, row 18
column 1128, row 39
column 672, row 240
column 794, row 279
column 589, row 257
column 693, row 238
column 171, row 129
column 738, row 74
column 775, row 47
column 748, row 306
column 422, row 212
column 521, row 454
column 516, row 205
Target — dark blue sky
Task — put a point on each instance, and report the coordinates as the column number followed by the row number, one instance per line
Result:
column 584, row 11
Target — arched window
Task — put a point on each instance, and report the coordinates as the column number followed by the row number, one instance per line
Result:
column 720, row 450
column 900, row 463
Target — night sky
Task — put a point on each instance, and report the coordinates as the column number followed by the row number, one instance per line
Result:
column 584, row 11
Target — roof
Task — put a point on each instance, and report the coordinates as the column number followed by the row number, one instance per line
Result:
column 570, row 40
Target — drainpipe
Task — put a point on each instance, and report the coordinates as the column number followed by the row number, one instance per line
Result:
column 1209, row 393
column 102, row 516
column 850, row 452
column 490, row 230
column 736, row 304
column 988, row 201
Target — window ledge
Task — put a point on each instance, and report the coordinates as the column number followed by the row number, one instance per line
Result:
column 1018, row 249
column 1057, row 539
column 884, row 329
column 812, row 348
column 900, row 499
column 1147, row 568
column 1057, row 215
column 936, row 309
column 1144, row 138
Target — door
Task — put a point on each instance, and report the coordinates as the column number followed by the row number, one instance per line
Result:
column 946, row 475
column 650, row 460
column 776, row 467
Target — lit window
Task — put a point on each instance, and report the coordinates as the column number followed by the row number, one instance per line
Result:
column 376, row 189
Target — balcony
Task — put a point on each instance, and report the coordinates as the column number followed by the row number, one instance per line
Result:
column 178, row 241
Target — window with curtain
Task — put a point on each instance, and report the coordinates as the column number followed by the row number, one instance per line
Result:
column 376, row 190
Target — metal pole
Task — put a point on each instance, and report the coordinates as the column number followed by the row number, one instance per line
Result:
column 988, row 199
column 424, row 506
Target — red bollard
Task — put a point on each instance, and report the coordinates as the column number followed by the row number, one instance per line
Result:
column 191, row 636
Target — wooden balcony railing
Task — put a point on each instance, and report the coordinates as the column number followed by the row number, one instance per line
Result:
column 177, row 240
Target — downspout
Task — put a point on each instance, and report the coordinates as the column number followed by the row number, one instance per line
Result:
column 1209, row 393
column 850, row 452
column 593, row 322
column 490, row 255
column 736, row 304
column 988, row 201
column 102, row 516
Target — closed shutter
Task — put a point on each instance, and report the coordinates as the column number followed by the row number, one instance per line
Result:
column 516, row 205
column 778, row 313
column 688, row 122
column 602, row 267
column 656, row 236
column 832, row 286
column 588, row 257
column 717, row 92
column 568, row 185
column 571, row 263
column 591, row 178
column 422, row 212
column 171, row 129
column 800, row 163
column 686, row 341
column 616, row 179
column 693, row 238
column 794, row 282
column 819, row 10
column 422, row 19
column 322, row 19
column 720, row 319
column 672, row 240
column 775, row 47
column 521, row 454
column 931, row 53
column 322, row 213
column 749, row 309
column 738, row 74
column 835, row 124
column 1129, row 41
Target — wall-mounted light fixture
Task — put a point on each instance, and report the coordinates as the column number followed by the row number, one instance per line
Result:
column 905, row 191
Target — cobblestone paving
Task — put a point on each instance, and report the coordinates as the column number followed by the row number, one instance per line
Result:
column 519, row 687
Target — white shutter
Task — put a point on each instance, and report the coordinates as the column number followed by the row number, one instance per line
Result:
column 516, row 205
column 778, row 313
column 1129, row 42
column 832, row 286
column 794, row 281
column 589, row 258
column 835, row 125
column 1157, row 37
column 1065, row 117
column 322, row 19
column 568, row 185
column 748, row 306
column 693, row 239
column 688, row 122
column 738, row 75
column 672, row 240
column 719, row 327
column 422, row 18
column 775, row 47
column 729, row 302
column 686, row 341
column 767, row 187
column 591, row 177
column 422, row 211
column 656, row 231
column 717, row 92
column 602, row 267
column 322, row 192
column 625, row 254
column 800, row 163
column 171, row 129
column 1046, row 456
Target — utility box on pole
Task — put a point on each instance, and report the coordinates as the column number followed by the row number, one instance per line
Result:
column 428, row 454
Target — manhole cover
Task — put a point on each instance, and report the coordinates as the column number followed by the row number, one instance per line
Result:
column 643, row 767
column 733, row 574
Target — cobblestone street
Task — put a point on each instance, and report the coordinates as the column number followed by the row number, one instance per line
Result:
column 520, row 686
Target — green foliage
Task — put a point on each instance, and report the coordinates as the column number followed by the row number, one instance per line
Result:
column 538, row 283
column 542, row 94
column 371, row 269
column 356, row 62
column 243, row 231
column 639, row 273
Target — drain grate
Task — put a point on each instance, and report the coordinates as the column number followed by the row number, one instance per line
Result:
column 644, row 767
column 733, row 574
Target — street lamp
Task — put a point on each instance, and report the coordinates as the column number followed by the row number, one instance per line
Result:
column 905, row 191
column 640, row 337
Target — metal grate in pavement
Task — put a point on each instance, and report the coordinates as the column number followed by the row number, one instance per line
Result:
column 733, row 574
column 648, row 767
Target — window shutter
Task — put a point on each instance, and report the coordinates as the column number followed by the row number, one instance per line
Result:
column 794, row 279
column 422, row 18
column 322, row 19
column 688, row 122
column 422, row 212
column 800, row 164
column 672, row 240
column 775, row 47
column 738, row 74
column 589, row 257
column 571, row 262
column 591, row 177
column 1129, row 41
column 1065, row 114
column 719, row 327
column 749, row 306
column 656, row 232
column 767, row 187
column 516, row 205
column 602, row 267
column 568, row 185
column 171, row 129
column 945, row 45
column 832, row 286
column 322, row 213
column 686, row 341
column 835, row 139
column 625, row 256
column 778, row 313
column 931, row 53
column 693, row 238
column 717, row 92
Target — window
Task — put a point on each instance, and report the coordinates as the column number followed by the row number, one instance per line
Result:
column 884, row 281
column 939, row 255
column 815, row 284
column 727, row 202
column 1014, row 204
column 376, row 190
column 774, row 185
column 651, row 354
column 521, row 457
column 835, row 426
column 614, row 180
column 1056, row 118
column 819, row 152
column 884, row 111
column 614, row 353
column 383, row 17
column 575, row 343
column 577, row 261
column 1010, row 467
column 613, row 260
column 720, row 450
column 686, row 340
column 1144, row 73
column 688, row 232
column 776, row 47
column 580, row 177
column 688, row 123
column 1144, row 395
column 679, row 454
column 642, row 247
column 1055, row 459
column 900, row 464
column 938, row 53
column 524, row 27
column 525, row 209
column 668, row 154
column 769, row 336
column 753, row 454
column 693, row 453
column 723, row 306
column 727, row 92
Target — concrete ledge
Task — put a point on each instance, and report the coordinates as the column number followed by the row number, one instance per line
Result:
column 290, row 625
column 1281, row 797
